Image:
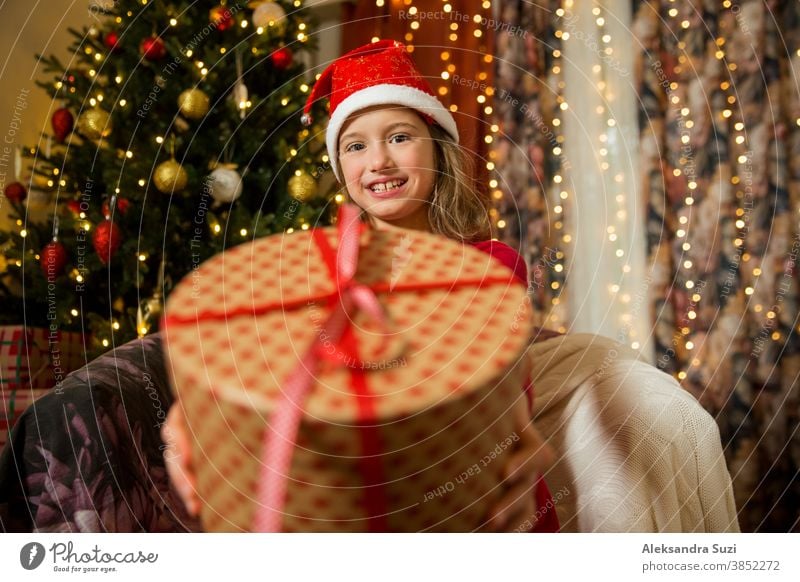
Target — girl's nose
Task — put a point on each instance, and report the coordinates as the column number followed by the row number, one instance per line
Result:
column 380, row 158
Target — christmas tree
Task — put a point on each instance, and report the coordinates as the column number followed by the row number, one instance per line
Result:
column 175, row 134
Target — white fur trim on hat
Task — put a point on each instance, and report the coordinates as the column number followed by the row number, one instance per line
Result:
column 386, row 94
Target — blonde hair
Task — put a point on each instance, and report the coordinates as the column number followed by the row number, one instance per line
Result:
column 457, row 209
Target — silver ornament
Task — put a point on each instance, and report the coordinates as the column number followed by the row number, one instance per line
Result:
column 226, row 185
column 270, row 12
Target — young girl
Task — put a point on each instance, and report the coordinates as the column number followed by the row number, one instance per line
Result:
column 394, row 147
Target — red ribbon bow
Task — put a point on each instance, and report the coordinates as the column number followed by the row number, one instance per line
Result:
column 279, row 441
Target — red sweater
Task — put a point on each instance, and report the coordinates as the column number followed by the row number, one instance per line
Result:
column 506, row 255
column 548, row 520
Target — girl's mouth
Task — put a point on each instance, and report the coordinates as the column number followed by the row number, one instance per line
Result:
column 387, row 189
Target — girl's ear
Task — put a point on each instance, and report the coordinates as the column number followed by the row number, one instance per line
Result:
column 178, row 458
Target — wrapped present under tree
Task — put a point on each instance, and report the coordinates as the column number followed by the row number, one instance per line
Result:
column 33, row 361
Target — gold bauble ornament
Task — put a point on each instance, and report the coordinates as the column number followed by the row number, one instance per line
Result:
column 94, row 123
column 194, row 104
column 170, row 177
column 302, row 187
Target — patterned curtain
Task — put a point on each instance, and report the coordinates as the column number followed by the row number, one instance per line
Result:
column 720, row 106
column 719, row 109
column 527, row 151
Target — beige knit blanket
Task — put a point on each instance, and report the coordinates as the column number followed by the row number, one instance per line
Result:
column 636, row 453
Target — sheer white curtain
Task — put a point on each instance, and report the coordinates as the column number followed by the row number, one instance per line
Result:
column 607, row 277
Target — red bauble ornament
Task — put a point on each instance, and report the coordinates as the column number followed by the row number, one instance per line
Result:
column 53, row 259
column 74, row 207
column 221, row 17
column 106, row 240
column 122, row 206
column 62, row 122
column 153, row 49
column 282, row 58
column 16, row 192
column 111, row 40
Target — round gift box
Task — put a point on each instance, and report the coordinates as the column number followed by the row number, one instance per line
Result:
column 438, row 422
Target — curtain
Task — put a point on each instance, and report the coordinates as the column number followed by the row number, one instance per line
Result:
column 528, row 151
column 720, row 162
column 718, row 154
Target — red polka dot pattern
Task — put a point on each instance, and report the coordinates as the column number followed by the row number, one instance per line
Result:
column 442, row 394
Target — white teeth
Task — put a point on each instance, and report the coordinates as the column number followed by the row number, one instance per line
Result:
column 383, row 187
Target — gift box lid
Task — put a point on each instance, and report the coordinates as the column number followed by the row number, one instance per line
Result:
column 238, row 325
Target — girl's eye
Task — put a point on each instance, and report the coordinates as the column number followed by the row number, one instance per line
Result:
column 399, row 138
column 353, row 147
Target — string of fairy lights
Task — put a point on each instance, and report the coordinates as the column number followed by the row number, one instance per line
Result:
column 685, row 167
column 559, row 191
column 457, row 27
column 606, row 158
column 741, row 166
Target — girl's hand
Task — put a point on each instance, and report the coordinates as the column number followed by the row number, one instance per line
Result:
column 531, row 457
column 178, row 459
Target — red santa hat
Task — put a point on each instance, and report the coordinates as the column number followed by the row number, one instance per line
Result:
column 380, row 73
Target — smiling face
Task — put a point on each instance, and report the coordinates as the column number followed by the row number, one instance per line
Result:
column 387, row 160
